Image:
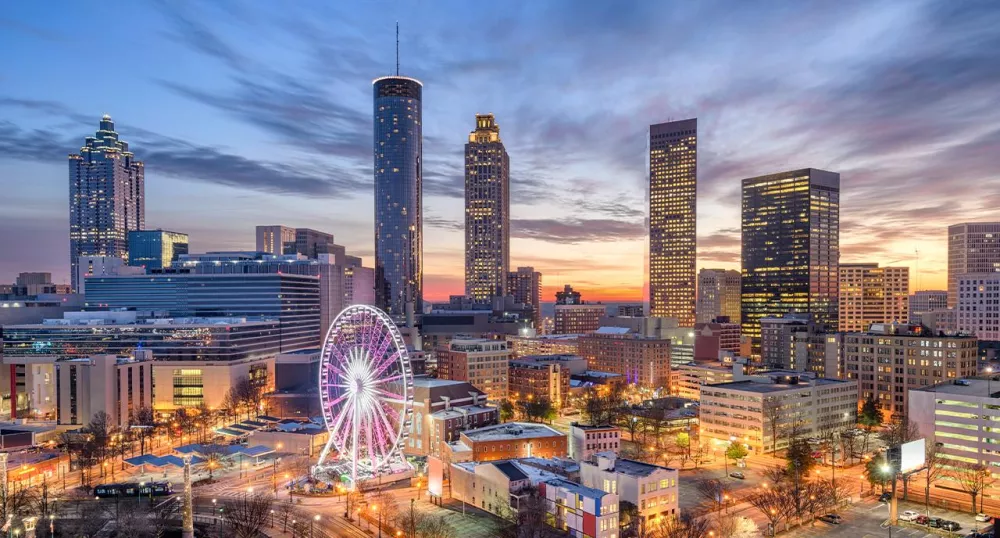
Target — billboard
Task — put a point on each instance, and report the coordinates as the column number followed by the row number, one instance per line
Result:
column 912, row 456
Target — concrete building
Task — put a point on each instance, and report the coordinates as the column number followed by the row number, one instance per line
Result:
column 779, row 275
column 689, row 378
column 978, row 307
column 314, row 244
column 651, row 488
column 106, row 197
column 630, row 311
column 296, row 393
column 569, row 296
column 712, row 338
column 819, row 353
column 673, row 181
column 759, row 412
column 101, row 266
column 442, row 409
column 872, row 294
column 718, row 295
column 926, row 301
column 275, row 239
column 187, row 384
column 578, row 318
column 960, row 420
column 579, row 511
column 525, row 286
column 482, row 362
column 973, row 247
column 497, row 487
column 548, row 344
column 641, row 360
column 155, row 249
column 889, row 361
column 944, row 321
column 487, row 211
column 534, row 378
column 586, row 440
column 508, row 440
column 463, row 318
column 118, row 386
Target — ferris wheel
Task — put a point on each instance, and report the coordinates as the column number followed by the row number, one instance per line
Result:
column 366, row 392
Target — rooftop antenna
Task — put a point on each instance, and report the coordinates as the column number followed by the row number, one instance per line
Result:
column 397, row 48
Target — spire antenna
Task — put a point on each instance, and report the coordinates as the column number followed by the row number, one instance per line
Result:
column 397, row 48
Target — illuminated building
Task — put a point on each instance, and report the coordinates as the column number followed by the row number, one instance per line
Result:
column 487, row 211
column 525, row 285
column 640, row 359
column 791, row 248
column 718, row 295
column 118, row 386
column 275, row 239
column 960, row 421
column 482, row 362
column 872, row 294
column 548, row 344
column 578, row 318
column 106, row 197
column 973, row 247
column 673, row 178
column 534, row 378
column 399, row 245
column 652, row 489
column 926, row 301
column 630, row 311
column 155, row 249
column 568, row 296
column 978, row 310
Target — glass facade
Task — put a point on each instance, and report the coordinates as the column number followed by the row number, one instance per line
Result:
column 155, row 249
column 673, row 181
column 791, row 248
column 398, row 152
column 487, row 212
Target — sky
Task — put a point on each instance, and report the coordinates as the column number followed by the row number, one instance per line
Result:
column 250, row 113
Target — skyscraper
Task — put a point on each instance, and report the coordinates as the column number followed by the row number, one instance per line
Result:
column 106, row 197
column 155, row 249
column 275, row 239
column 525, row 285
column 673, row 177
column 872, row 294
column 487, row 211
column 791, row 247
column 973, row 247
column 398, row 145
column 718, row 295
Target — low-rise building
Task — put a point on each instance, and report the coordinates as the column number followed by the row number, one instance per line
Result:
column 641, row 360
column 960, row 418
column 585, row 440
column 689, row 378
column 104, row 383
column 442, row 409
column 579, row 510
column 535, row 378
column 507, row 441
column 651, row 488
column 480, row 361
column 543, row 344
column 711, row 338
column 759, row 412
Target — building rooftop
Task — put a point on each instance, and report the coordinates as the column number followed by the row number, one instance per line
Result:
column 612, row 330
column 563, row 465
column 510, row 470
column 593, row 426
column 579, row 489
column 980, row 387
column 550, row 337
column 767, row 388
column 512, row 430
column 633, row 467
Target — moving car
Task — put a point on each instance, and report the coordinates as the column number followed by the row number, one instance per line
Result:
column 885, row 497
column 831, row 518
column 950, row 525
column 909, row 515
column 982, row 518
column 737, row 474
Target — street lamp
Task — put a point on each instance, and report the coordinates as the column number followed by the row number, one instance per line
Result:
column 989, row 380
column 379, row 518
column 315, row 519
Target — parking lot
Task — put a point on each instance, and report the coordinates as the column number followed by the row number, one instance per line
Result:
column 866, row 519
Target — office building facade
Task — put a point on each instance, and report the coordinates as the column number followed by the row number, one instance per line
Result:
column 117, row 386
column 532, row 379
column 487, row 211
column 978, row 308
column 872, row 294
column 960, row 421
column 155, row 249
column 973, row 247
column 640, row 360
column 578, row 318
column 790, row 248
column 106, row 197
column 398, row 149
column 718, row 295
column 926, row 301
column 275, row 239
column 673, row 179
column 525, row 285
column 481, row 362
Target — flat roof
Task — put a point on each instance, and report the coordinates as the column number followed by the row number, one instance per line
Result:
column 765, row 388
column 512, row 430
column 638, row 468
column 579, row 489
column 977, row 387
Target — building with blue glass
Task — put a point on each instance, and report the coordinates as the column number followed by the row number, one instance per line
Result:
column 398, row 150
column 155, row 249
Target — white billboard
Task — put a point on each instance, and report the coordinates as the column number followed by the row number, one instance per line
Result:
column 912, row 456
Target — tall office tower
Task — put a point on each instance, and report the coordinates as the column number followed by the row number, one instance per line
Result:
column 487, row 211
column 311, row 243
column 718, row 295
column 399, row 245
column 106, row 197
column 525, row 285
column 973, row 247
column 276, row 239
column 155, row 249
column 926, row 301
column 673, row 178
column 872, row 294
column 791, row 248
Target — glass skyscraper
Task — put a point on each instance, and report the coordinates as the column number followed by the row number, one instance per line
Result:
column 673, row 187
column 791, row 248
column 106, row 197
column 487, row 212
column 155, row 249
column 398, row 149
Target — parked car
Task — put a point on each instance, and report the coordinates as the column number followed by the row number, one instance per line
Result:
column 885, row 497
column 922, row 520
column 982, row 518
column 950, row 525
column 909, row 515
column 738, row 474
column 831, row 518
column 935, row 523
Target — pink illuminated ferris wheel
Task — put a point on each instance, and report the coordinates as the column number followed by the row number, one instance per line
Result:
column 366, row 392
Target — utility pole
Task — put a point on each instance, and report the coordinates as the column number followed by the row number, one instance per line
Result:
column 187, row 528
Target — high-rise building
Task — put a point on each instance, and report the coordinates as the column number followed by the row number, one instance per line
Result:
column 872, row 294
column 155, row 249
column 568, row 296
column 673, row 178
column 398, row 144
column 978, row 310
column 718, row 295
column 275, row 239
column 311, row 243
column 791, row 247
column 106, row 197
column 973, row 247
column 926, row 301
column 487, row 211
column 525, row 285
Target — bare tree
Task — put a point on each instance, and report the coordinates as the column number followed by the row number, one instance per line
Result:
column 896, row 433
column 384, row 503
column 773, row 418
column 736, row 527
column 932, row 471
column 972, row 478
column 683, row 526
column 772, row 504
column 435, row 528
column 143, row 422
column 245, row 517
column 714, row 491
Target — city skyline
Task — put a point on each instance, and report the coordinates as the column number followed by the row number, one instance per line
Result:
column 250, row 144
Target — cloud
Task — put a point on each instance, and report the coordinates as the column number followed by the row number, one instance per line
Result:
column 573, row 230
